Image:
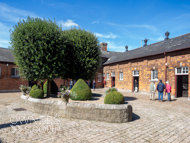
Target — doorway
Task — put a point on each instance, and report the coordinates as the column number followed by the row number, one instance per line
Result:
column 182, row 86
column 135, row 84
column 113, row 81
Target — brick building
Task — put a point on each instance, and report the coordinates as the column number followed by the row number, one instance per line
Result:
column 166, row 60
column 105, row 55
column 9, row 73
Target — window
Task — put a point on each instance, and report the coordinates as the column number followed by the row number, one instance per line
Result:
column 121, row 75
column 108, row 76
column 103, row 74
column 135, row 73
column 182, row 70
column 113, row 74
column 154, row 74
column 99, row 77
column 15, row 72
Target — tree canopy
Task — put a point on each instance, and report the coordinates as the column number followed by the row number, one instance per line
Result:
column 38, row 47
column 82, row 54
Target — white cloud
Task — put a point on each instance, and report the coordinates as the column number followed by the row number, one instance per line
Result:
column 96, row 21
column 12, row 14
column 110, row 35
column 68, row 23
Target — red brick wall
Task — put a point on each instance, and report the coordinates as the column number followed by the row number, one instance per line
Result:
column 145, row 65
column 6, row 81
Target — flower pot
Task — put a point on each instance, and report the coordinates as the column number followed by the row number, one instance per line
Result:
column 65, row 98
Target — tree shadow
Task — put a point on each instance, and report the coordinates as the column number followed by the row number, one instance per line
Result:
column 130, row 98
column 16, row 123
column 96, row 95
column 135, row 117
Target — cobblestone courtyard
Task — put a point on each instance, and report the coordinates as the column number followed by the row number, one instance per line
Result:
column 153, row 121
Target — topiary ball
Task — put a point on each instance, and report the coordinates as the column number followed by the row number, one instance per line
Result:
column 114, row 98
column 36, row 93
column 81, row 91
column 34, row 86
column 54, row 88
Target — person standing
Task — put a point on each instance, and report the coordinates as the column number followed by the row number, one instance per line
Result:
column 136, row 86
column 160, row 88
column 71, row 84
column 94, row 85
column 152, row 90
column 168, row 90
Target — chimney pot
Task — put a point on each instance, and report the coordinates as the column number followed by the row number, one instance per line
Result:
column 145, row 42
column 126, row 48
column 167, row 34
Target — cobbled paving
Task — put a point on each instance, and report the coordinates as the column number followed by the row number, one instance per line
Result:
column 153, row 121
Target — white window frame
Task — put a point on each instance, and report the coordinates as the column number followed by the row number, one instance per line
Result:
column 121, row 75
column 15, row 72
column 107, row 76
column 185, row 68
column 112, row 74
column 99, row 77
column 134, row 73
column 154, row 79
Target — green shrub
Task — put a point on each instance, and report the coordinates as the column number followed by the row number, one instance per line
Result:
column 34, row 86
column 111, row 90
column 81, row 91
column 36, row 93
column 54, row 88
column 114, row 98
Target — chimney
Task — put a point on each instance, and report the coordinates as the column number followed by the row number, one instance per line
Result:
column 104, row 46
column 126, row 48
column 145, row 42
column 167, row 34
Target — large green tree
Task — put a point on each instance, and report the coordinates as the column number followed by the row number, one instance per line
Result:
column 82, row 54
column 38, row 47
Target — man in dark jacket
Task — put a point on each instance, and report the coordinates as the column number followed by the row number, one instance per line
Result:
column 160, row 88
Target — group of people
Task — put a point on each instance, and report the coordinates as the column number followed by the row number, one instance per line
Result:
column 93, row 84
column 160, row 88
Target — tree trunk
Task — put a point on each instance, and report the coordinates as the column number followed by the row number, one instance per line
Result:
column 48, row 87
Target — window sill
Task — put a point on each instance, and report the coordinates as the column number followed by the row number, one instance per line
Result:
column 15, row 76
column 154, row 80
column 121, row 79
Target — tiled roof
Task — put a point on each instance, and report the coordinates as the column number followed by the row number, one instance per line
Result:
column 6, row 55
column 169, row 45
column 109, row 54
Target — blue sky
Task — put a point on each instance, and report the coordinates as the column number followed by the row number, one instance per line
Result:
column 116, row 22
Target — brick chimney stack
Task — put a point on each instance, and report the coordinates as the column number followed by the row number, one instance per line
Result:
column 104, row 46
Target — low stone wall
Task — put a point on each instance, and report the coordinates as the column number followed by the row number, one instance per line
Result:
column 97, row 112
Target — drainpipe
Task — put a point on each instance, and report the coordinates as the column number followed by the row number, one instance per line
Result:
column 165, row 69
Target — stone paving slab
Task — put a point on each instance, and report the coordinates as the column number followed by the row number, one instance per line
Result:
column 153, row 122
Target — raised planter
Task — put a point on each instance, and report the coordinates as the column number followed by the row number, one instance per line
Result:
column 97, row 112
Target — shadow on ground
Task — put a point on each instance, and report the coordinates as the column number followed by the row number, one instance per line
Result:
column 130, row 98
column 17, row 123
column 96, row 96
column 135, row 117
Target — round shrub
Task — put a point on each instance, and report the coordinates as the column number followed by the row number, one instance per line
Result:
column 81, row 91
column 114, row 98
column 111, row 90
column 54, row 88
column 37, row 93
column 34, row 86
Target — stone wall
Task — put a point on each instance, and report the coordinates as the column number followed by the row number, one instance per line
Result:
column 145, row 65
column 96, row 112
